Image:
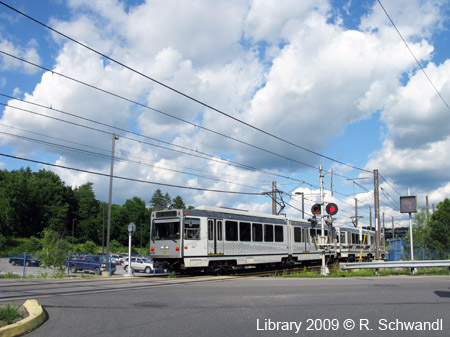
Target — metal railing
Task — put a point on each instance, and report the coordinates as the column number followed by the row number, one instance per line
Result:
column 412, row 265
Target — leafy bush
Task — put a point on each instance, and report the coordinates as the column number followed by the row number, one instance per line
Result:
column 89, row 247
column 54, row 249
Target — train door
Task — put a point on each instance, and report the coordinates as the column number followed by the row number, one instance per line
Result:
column 215, row 237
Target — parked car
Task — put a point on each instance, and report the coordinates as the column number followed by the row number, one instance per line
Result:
column 115, row 259
column 139, row 264
column 30, row 261
column 95, row 263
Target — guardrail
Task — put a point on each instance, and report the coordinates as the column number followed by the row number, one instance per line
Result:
column 412, row 265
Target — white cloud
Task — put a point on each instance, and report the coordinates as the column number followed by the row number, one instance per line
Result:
column 283, row 67
column 28, row 53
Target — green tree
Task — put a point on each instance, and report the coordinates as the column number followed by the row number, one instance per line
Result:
column 160, row 201
column 178, row 203
column 52, row 200
column 420, row 229
column 55, row 249
column 135, row 211
column 439, row 227
column 88, row 223
column 17, row 211
column 2, row 244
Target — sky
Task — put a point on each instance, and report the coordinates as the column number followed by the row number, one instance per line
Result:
column 215, row 100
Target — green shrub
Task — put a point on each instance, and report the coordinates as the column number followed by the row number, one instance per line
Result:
column 89, row 247
column 9, row 313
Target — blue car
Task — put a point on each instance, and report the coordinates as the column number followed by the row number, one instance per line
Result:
column 30, row 261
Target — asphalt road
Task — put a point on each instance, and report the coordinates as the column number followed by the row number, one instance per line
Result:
column 149, row 306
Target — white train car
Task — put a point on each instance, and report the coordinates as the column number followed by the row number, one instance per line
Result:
column 351, row 243
column 222, row 239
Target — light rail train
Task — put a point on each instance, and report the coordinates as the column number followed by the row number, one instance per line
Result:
column 219, row 239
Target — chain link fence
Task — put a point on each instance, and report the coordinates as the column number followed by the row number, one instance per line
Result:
column 399, row 250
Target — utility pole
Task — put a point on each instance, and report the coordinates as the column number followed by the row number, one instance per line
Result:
column 393, row 230
column 427, row 207
column 376, row 193
column 108, row 227
column 274, row 198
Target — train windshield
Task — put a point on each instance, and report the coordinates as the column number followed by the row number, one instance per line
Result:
column 166, row 229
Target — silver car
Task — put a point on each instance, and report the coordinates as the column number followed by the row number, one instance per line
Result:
column 139, row 264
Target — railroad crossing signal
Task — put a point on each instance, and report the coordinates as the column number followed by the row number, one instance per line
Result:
column 316, row 209
column 332, row 208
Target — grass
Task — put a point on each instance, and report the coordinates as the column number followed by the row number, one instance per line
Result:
column 10, row 275
column 172, row 275
column 368, row 273
column 8, row 314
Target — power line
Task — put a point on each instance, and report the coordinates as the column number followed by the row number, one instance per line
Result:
column 415, row 58
column 152, row 109
column 180, row 92
column 387, row 182
column 222, row 161
column 107, row 156
column 125, row 178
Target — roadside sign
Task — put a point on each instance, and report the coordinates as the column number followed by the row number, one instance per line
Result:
column 131, row 228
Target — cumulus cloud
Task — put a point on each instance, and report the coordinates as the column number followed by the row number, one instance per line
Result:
column 28, row 52
column 293, row 70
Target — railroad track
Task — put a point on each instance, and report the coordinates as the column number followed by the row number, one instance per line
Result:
column 252, row 272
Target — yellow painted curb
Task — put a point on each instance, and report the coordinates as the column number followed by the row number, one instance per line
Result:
column 36, row 317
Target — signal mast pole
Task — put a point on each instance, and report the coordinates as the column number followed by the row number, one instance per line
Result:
column 323, row 239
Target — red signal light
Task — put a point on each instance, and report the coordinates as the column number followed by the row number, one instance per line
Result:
column 332, row 208
column 316, row 209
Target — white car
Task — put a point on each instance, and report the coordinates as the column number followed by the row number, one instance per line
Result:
column 139, row 264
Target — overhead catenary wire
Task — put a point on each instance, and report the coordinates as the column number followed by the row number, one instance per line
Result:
column 119, row 158
column 126, row 178
column 178, row 91
column 139, row 159
column 193, row 153
column 154, row 110
column 414, row 56
column 207, row 106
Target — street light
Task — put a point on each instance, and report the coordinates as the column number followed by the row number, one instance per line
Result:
column 108, row 229
column 73, row 230
column 303, row 203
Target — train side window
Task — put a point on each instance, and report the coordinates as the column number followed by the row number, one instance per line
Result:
column 257, row 232
column 268, row 233
column 279, row 237
column 312, row 232
column 192, row 229
column 244, row 231
column 210, row 230
column 231, row 230
column 298, row 234
column 219, row 230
